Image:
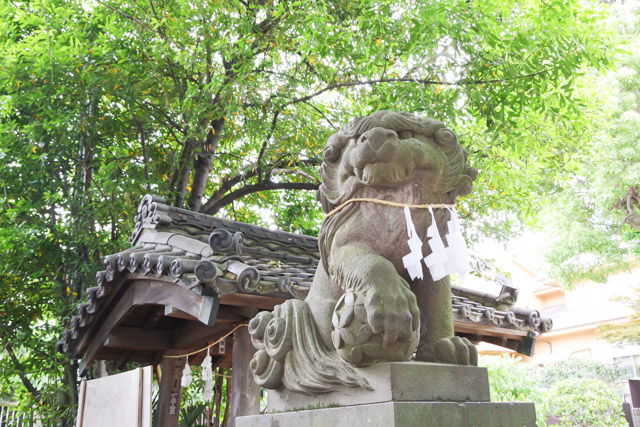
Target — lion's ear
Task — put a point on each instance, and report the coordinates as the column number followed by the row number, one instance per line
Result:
column 465, row 184
column 328, row 192
column 320, row 196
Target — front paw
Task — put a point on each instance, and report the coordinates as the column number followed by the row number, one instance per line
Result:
column 376, row 326
column 393, row 312
column 451, row 351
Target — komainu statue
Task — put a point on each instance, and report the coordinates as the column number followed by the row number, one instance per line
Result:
column 363, row 306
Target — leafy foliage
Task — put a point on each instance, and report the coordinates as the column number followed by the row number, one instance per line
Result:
column 586, row 402
column 547, row 376
column 581, row 392
column 190, row 416
column 215, row 105
column 593, row 225
column 628, row 332
column 511, row 380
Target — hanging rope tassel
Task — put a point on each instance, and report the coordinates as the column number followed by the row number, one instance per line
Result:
column 186, row 375
column 457, row 252
column 412, row 261
column 437, row 259
column 207, row 376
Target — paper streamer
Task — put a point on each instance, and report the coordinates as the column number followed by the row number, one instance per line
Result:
column 457, row 252
column 207, row 376
column 438, row 257
column 413, row 261
column 186, row 375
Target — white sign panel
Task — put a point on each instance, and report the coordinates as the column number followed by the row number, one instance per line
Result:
column 122, row 400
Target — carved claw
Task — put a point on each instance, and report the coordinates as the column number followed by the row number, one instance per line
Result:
column 452, row 351
column 393, row 312
column 378, row 325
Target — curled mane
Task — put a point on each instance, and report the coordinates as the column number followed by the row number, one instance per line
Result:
column 456, row 179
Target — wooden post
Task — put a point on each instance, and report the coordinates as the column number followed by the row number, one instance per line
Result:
column 245, row 393
column 170, row 393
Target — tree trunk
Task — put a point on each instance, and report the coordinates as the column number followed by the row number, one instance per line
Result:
column 202, row 165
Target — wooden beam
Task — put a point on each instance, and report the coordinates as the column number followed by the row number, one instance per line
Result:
column 234, row 314
column 209, row 310
column 139, row 339
column 112, row 298
column 195, row 335
column 152, row 320
column 117, row 288
column 143, row 292
column 124, row 358
column 248, row 300
column 486, row 330
column 502, row 342
column 245, row 393
column 170, row 391
column 122, row 308
column 170, row 311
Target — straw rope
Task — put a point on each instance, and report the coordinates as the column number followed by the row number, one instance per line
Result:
column 388, row 203
column 209, row 346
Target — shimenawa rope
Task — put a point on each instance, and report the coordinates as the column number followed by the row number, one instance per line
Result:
column 388, row 203
column 209, row 346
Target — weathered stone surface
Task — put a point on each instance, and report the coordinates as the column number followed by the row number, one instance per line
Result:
column 403, row 414
column 364, row 305
column 396, row 381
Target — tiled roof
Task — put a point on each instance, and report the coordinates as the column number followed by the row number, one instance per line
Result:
column 201, row 252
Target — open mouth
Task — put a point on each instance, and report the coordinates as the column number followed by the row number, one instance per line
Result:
column 384, row 174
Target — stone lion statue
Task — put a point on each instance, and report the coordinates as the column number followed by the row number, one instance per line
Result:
column 363, row 307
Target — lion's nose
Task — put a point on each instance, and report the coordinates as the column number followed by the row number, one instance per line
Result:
column 376, row 137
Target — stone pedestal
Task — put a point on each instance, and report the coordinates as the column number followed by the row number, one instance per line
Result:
column 403, row 394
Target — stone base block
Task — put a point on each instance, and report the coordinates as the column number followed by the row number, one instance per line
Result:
column 396, row 381
column 403, row 414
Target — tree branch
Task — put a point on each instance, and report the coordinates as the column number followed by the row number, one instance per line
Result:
column 405, row 79
column 21, row 372
column 145, row 158
column 274, row 123
column 321, row 113
column 228, row 183
column 180, row 179
column 142, row 24
column 254, row 188
column 629, row 206
column 462, row 82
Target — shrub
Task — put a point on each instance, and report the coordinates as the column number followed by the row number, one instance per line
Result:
column 585, row 402
column 511, row 380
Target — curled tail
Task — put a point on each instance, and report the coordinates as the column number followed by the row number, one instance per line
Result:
column 291, row 354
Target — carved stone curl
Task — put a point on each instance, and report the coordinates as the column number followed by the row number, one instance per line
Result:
column 291, row 354
column 363, row 307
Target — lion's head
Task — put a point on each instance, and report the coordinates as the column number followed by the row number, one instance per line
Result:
column 387, row 149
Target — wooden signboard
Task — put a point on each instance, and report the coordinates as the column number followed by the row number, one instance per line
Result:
column 122, row 400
